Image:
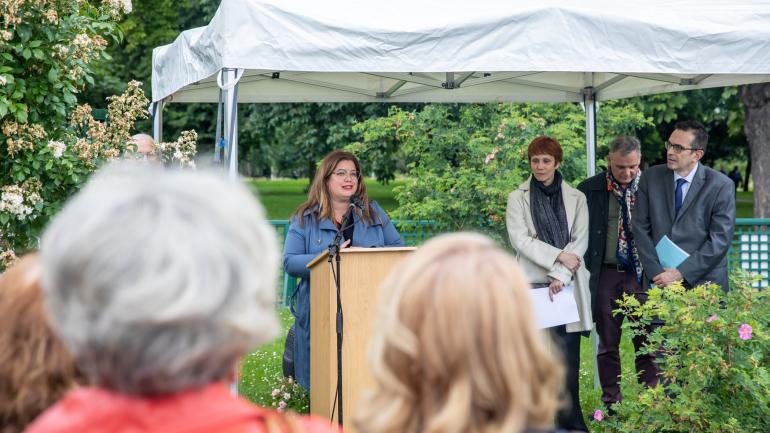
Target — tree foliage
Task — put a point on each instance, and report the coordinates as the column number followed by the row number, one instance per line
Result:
column 461, row 161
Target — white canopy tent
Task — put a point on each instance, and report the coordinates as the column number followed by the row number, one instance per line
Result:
column 458, row 51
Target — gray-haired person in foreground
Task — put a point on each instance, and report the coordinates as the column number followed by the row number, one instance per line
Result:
column 159, row 281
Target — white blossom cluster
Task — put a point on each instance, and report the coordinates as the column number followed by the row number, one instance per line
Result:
column 182, row 151
column 57, row 148
column 12, row 201
column 82, row 41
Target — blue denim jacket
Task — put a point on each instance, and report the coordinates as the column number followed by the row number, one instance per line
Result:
column 303, row 244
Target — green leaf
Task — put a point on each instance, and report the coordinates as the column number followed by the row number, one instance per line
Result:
column 8, row 56
column 35, row 44
column 38, row 53
column 69, row 98
column 4, row 218
column 27, row 53
column 53, row 75
column 3, row 110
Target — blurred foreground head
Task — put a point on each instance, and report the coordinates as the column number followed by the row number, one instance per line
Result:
column 456, row 347
column 158, row 280
column 35, row 367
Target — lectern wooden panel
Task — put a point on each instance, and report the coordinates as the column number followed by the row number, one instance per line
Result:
column 361, row 272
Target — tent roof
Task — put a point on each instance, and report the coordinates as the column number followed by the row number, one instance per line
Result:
column 465, row 51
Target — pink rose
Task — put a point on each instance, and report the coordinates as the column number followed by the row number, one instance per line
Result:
column 744, row 332
column 711, row 318
column 598, row 415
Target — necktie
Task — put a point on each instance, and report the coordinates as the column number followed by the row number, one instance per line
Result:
column 678, row 196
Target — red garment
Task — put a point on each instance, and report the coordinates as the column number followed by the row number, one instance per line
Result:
column 211, row 409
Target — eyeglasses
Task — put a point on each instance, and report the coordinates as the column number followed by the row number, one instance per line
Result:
column 343, row 174
column 678, row 148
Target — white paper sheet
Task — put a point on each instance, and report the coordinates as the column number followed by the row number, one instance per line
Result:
column 561, row 311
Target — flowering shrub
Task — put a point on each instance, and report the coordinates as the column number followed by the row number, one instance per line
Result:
column 715, row 362
column 180, row 152
column 48, row 144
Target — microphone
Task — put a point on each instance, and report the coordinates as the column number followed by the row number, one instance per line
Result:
column 347, row 222
column 355, row 201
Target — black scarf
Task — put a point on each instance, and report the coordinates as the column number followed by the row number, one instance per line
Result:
column 548, row 214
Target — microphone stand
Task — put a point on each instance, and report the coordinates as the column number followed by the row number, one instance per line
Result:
column 334, row 253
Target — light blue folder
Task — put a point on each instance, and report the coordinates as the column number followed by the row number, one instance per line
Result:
column 669, row 253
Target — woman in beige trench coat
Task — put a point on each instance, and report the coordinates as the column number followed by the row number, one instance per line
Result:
column 547, row 222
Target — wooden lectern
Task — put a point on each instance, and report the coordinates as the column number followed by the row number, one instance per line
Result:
column 361, row 272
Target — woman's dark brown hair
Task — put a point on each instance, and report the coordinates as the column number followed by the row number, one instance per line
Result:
column 36, row 369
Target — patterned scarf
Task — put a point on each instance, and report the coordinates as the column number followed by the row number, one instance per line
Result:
column 627, row 254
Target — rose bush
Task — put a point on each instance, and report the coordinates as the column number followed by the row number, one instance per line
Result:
column 714, row 357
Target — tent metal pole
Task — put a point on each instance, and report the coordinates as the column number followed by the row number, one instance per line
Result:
column 228, row 84
column 589, row 101
column 233, row 162
column 218, row 134
column 157, row 121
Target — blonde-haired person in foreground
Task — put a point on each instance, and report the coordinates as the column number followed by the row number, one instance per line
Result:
column 36, row 369
column 456, row 349
column 159, row 281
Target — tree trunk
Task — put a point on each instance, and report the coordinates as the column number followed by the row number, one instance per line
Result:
column 756, row 101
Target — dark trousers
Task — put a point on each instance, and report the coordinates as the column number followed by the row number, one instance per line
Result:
column 613, row 284
column 570, row 417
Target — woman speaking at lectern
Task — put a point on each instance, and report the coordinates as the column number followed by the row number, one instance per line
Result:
column 337, row 189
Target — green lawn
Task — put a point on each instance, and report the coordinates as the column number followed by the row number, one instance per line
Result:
column 262, row 369
column 282, row 197
column 744, row 204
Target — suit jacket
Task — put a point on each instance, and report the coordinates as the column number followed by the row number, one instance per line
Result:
column 703, row 228
column 597, row 199
column 538, row 259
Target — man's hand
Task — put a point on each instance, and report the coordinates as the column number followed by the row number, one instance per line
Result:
column 668, row 276
column 569, row 260
column 554, row 287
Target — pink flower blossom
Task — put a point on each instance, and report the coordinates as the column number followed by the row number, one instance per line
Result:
column 275, row 392
column 489, row 158
column 744, row 332
column 711, row 318
column 281, row 406
column 598, row 415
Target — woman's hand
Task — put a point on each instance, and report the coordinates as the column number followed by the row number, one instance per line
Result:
column 569, row 260
column 345, row 244
column 554, row 287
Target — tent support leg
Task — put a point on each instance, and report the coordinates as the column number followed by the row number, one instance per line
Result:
column 218, row 135
column 228, row 82
column 157, row 121
column 589, row 100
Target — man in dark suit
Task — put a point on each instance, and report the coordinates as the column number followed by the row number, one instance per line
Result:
column 614, row 263
column 693, row 205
